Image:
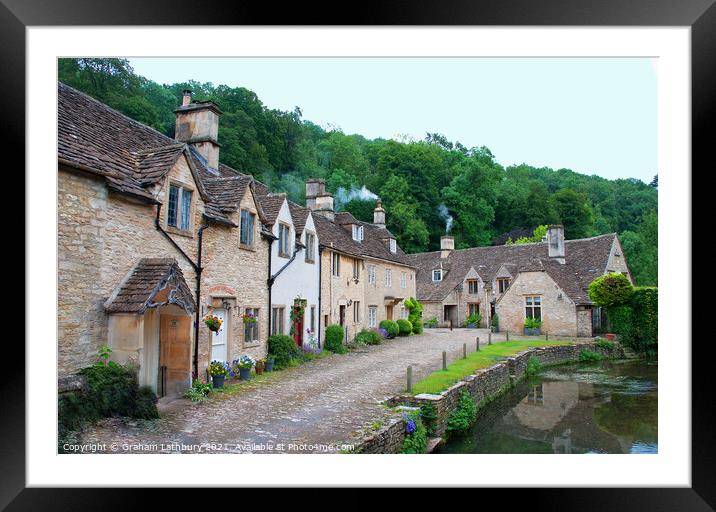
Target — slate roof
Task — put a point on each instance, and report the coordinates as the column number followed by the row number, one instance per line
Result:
column 585, row 259
column 142, row 288
column 299, row 215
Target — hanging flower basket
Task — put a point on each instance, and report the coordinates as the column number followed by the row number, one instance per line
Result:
column 248, row 318
column 213, row 322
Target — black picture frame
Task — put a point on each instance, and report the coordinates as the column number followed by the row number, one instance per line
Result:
column 700, row 15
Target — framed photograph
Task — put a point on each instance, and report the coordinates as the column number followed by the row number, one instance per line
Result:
column 420, row 250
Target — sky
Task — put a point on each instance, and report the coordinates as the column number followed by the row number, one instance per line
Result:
column 591, row 115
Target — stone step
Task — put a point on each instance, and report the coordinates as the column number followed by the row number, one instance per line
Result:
column 434, row 442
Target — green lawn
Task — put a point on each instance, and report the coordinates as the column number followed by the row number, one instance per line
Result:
column 487, row 356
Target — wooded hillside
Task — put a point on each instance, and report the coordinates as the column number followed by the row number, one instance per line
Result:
column 427, row 186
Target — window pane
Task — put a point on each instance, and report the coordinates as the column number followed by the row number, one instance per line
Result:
column 185, row 209
column 172, row 207
column 528, row 301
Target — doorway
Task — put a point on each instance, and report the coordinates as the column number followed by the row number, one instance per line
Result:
column 342, row 315
column 297, row 319
column 175, row 354
column 450, row 315
column 218, row 339
column 389, row 312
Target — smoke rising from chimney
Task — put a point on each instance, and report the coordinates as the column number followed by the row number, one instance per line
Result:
column 445, row 214
column 344, row 196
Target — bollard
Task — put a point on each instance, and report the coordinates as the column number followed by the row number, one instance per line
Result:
column 546, row 336
column 477, row 344
column 410, row 378
column 464, row 350
column 451, row 325
column 444, row 360
column 507, row 335
column 489, row 338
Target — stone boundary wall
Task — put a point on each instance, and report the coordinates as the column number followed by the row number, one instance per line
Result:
column 484, row 385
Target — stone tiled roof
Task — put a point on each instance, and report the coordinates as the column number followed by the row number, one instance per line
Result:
column 585, row 259
column 299, row 214
column 152, row 282
column 271, row 205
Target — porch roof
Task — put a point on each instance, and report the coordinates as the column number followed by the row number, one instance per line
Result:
column 153, row 282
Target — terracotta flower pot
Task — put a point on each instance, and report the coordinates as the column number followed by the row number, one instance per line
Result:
column 610, row 336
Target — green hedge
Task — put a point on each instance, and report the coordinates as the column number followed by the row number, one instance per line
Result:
column 611, row 290
column 637, row 322
column 283, row 349
column 418, row 326
column 415, row 314
column 404, row 327
column 112, row 390
column 334, row 339
column 368, row 337
column 391, row 327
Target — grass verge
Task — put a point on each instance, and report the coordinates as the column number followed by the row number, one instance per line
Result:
column 487, row 356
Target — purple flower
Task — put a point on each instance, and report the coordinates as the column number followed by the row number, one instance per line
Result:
column 410, row 426
column 383, row 332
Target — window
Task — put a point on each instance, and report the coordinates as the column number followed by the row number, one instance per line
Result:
column 473, row 308
column 502, row 284
column 356, row 269
column 356, row 311
column 371, row 274
column 336, row 264
column 312, row 325
column 533, row 307
column 403, row 279
column 372, row 316
column 393, row 245
column 357, row 233
column 472, row 285
column 284, row 238
column 437, row 275
column 277, row 320
column 179, row 208
column 251, row 329
column 403, row 312
column 388, row 278
column 247, row 228
column 310, row 247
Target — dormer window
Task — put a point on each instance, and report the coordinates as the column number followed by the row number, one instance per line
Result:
column 393, row 245
column 437, row 275
column 179, row 208
column 357, row 233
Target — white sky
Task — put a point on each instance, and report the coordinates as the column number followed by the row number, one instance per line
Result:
column 591, row 115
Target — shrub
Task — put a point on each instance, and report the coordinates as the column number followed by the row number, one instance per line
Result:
column 433, row 322
column 605, row 344
column 637, row 322
column 587, row 356
column 368, row 337
column 416, row 439
column 428, row 416
column 462, row 418
column 404, row 327
column 533, row 366
column 334, row 339
column 532, row 323
column 418, row 326
column 283, row 349
column 415, row 312
column 198, row 392
column 475, row 318
column 391, row 327
column 495, row 322
column 610, row 289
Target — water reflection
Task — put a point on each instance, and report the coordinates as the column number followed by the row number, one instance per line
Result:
column 604, row 408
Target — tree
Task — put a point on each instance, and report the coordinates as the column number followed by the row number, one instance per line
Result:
column 574, row 213
column 613, row 289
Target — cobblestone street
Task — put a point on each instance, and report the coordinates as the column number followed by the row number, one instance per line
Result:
column 323, row 402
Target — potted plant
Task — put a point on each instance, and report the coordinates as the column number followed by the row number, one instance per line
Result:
column 494, row 323
column 260, row 365
column 249, row 318
column 244, row 364
column 213, row 322
column 532, row 326
column 432, row 323
column 473, row 321
column 217, row 370
column 269, row 363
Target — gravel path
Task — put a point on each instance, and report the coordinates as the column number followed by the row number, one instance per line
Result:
column 313, row 408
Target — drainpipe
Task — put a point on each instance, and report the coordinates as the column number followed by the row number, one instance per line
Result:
column 270, row 284
column 272, row 278
column 197, row 271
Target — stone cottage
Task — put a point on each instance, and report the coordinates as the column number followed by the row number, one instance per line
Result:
column 546, row 280
column 365, row 275
column 153, row 234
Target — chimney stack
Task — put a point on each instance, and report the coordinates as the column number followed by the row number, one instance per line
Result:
column 186, row 98
column 197, row 124
column 318, row 200
column 447, row 244
column 555, row 242
column 379, row 214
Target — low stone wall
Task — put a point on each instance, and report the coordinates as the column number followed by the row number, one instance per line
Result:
column 484, row 385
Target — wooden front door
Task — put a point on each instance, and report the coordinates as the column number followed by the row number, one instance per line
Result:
column 389, row 312
column 175, row 354
column 342, row 313
column 297, row 327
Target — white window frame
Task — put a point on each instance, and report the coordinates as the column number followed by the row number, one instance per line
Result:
column 533, row 302
column 388, row 278
column 393, row 245
column 403, row 279
column 440, row 275
column 371, row 274
column 357, row 233
column 372, row 316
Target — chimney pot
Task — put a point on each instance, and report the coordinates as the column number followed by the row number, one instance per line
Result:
column 447, row 244
column 379, row 214
column 186, row 98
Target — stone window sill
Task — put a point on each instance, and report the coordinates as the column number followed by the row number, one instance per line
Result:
column 310, row 261
column 245, row 247
column 181, row 232
column 283, row 255
column 251, row 344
